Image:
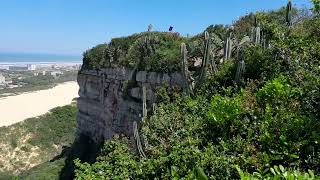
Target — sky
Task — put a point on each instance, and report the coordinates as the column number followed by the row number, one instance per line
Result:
column 70, row 27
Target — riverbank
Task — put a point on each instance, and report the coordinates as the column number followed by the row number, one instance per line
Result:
column 17, row 108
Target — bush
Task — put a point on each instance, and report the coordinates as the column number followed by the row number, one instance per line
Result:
column 151, row 51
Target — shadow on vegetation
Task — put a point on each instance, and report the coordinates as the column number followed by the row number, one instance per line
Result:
column 83, row 148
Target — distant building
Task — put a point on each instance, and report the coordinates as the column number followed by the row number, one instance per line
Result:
column 43, row 73
column 4, row 67
column 54, row 66
column 31, row 67
column 28, row 67
column 9, row 81
column 18, row 68
column 56, row 73
column 2, row 79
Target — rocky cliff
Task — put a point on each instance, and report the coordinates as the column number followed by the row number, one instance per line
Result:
column 111, row 99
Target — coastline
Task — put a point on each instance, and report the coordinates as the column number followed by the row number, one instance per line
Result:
column 17, row 108
column 26, row 91
column 39, row 62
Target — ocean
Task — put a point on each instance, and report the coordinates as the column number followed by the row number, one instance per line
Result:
column 28, row 58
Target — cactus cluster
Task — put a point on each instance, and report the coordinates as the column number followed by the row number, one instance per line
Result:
column 207, row 63
column 147, row 45
column 259, row 36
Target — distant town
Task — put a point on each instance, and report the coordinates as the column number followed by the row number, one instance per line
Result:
column 19, row 75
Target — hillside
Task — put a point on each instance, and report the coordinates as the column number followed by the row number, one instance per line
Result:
column 251, row 109
column 35, row 141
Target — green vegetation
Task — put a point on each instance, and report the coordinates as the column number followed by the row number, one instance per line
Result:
column 46, row 171
column 35, row 141
column 141, row 51
column 6, row 176
column 266, row 126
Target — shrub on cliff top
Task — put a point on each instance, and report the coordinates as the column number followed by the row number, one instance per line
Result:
column 156, row 51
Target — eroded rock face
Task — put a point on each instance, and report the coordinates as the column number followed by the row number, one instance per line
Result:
column 111, row 99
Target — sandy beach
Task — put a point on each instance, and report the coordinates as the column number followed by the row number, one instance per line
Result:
column 17, row 108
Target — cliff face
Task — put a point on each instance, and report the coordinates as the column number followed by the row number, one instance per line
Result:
column 111, row 99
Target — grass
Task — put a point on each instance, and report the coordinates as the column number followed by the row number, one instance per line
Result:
column 36, row 140
column 45, row 171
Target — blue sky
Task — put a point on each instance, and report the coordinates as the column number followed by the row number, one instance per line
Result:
column 72, row 26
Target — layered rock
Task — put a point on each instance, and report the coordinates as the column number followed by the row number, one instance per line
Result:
column 111, row 99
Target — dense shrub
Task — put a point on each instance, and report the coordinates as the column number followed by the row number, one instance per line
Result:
column 156, row 51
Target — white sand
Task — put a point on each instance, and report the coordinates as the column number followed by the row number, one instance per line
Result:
column 17, row 108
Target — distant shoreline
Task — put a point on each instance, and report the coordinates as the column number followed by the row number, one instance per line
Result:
column 38, row 62
column 38, row 88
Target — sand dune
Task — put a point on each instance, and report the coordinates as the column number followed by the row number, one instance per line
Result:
column 17, row 108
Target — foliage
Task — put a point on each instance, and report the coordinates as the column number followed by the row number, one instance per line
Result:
column 52, row 128
column 156, row 51
column 43, row 136
column 277, row 172
column 316, row 7
column 45, row 171
column 116, row 162
column 6, row 176
column 266, row 127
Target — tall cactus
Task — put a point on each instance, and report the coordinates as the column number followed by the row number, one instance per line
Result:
column 228, row 44
column 206, row 57
column 184, row 69
column 241, row 66
column 213, row 64
column 256, row 32
column 103, row 79
column 144, row 102
column 150, row 27
column 263, row 39
column 289, row 13
column 135, row 125
column 138, row 141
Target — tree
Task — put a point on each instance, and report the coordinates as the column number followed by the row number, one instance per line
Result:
column 316, row 7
